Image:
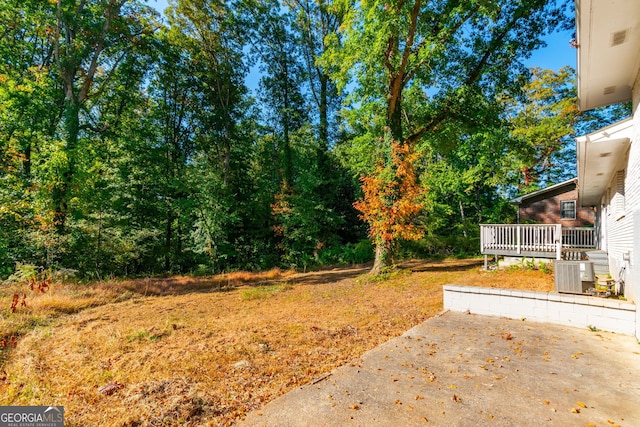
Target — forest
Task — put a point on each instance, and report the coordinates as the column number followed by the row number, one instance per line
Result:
column 131, row 142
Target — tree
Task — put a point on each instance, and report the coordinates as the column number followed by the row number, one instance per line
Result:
column 391, row 201
column 30, row 109
column 543, row 119
column 420, row 64
column 202, row 97
column 315, row 21
column 90, row 42
column 542, row 123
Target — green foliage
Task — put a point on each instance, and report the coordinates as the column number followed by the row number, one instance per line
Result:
column 23, row 273
column 131, row 145
column 347, row 254
column 439, row 246
column 533, row 265
column 542, row 122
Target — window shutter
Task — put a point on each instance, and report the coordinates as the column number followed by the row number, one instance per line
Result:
column 619, row 204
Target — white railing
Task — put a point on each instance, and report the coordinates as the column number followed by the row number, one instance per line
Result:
column 541, row 240
column 579, row 237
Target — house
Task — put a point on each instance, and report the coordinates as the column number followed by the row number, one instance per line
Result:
column 556, row 204
column 608, row 44
column 608, row 160
column 551, row 224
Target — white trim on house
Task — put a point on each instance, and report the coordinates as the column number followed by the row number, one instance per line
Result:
column 608, row 42
column 543, row 190
column 573, row 210
column 600, row 155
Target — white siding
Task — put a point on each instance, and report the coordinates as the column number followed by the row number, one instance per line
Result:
column 632, row 192
column 619, row 220
column 622, row 202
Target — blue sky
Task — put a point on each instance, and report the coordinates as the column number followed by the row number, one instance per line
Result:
column 556, row 55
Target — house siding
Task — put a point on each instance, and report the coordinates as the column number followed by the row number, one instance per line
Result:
column 619, row 225
column 545, row 209
column 620, row 210
column 632, row 189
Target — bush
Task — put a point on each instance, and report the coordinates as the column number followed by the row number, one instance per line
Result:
column 440, row 247
column 23, row 273
column 348, row 254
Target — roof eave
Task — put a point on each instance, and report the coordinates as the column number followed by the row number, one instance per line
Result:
column 608, row 47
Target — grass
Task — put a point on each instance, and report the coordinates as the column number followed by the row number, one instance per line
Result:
column 205, row 351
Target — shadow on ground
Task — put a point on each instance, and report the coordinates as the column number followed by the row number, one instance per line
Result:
column 180, row 285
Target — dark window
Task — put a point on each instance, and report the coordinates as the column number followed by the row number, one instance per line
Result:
column 568, row 209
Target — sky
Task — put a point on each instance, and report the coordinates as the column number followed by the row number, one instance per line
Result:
column 556, row 55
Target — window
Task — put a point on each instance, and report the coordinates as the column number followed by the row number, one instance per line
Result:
column 568, row 209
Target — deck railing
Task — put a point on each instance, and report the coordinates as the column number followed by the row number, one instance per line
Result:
column 536, row 240
column 579, row 237
column 533, row 240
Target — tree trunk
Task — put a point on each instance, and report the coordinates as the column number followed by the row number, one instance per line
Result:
column 463, row 219
column 61, row 191
column 383, row 259
column 168, row 236
column 324, row 121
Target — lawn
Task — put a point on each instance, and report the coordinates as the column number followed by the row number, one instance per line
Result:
column 205, row 351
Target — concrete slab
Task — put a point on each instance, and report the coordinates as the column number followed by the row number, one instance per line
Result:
column 467, row 370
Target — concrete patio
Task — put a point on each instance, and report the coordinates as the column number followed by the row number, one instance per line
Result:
column 460, row 369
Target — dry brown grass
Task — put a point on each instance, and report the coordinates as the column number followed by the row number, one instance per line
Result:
column 176, row 353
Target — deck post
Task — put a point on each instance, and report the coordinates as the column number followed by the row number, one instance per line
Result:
column 518, row 247
column 558, row 241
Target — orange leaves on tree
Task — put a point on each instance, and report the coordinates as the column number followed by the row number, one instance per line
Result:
column 392, row 198
column 281, row 208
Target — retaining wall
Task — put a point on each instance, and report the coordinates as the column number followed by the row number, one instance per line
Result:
column 550, row 307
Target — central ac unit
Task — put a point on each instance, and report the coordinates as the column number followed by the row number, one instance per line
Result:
column 573, row 277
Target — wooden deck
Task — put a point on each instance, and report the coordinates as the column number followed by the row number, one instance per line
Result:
column 533, row 240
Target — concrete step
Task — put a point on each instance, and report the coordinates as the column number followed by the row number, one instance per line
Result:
column 597, row 255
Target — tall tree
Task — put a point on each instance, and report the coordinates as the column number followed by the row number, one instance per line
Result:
column 542, row 120
column 91, row 41
column 211, row 43
column 30, row 109
column 421, row 64
column 314, row 21
column 275, row 47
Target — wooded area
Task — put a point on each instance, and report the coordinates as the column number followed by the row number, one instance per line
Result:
column 131, row 144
